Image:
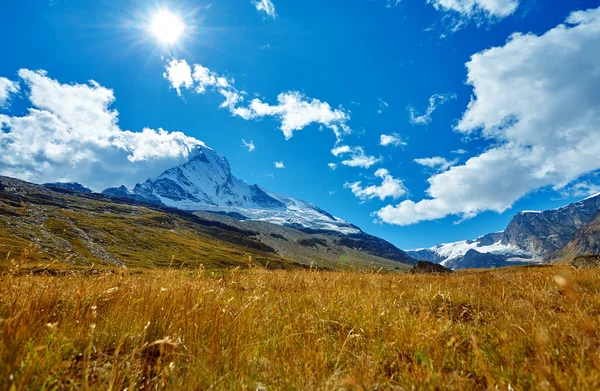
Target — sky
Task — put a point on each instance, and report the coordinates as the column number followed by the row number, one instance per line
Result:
column 420, row 121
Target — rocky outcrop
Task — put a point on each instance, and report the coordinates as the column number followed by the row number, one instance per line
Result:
column 424, row 267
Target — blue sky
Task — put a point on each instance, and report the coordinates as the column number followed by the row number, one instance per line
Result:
column 364, row 65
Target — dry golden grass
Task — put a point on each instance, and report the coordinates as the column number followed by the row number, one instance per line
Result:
column 519, row 329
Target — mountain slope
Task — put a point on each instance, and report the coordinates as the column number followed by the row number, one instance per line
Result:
column 43, row 224
column 206, row 183
column 322, row 248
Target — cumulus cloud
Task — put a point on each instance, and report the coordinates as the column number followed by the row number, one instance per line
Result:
column 294, row 110
column 7, row 89
column 437, row 163
column 390, row 187
column 266, row 6
column 249, row 145
column 356, row 156
column 333, row 166
column 279, row 165
column 179, row 74
column 70, row 133
column 435, row 101
column 536, row 100
column 391, row 139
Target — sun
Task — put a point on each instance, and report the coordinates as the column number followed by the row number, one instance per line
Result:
column 166, row 27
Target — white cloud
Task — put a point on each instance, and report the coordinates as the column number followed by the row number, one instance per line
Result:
column 279, row 165
column 179, row 74
column 434, row 101
column 265, row 5
column 249, row 145
column 294, row 110
column 437, row 163
column 390, row 187
column 340, row 150
column 357, row 156
column 536, row 100
column 391, row 139
column 491, row 9
column 70, row 134
column 460, row 152
column 7, row 88
column 333, row 166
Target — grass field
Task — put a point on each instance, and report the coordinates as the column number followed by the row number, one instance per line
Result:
column 255, row 329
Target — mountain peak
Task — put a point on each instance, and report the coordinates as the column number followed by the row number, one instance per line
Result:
column 205, row 183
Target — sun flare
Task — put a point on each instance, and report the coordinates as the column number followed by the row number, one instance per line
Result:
column 166, row 27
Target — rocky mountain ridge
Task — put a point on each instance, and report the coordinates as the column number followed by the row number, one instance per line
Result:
column 530, row 237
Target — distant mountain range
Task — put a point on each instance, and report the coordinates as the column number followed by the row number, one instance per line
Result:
column 205, row 190
column 205, row 185
column 48, row 223
column 530, row 237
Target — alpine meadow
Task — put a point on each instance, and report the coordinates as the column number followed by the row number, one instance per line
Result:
column 280, row 195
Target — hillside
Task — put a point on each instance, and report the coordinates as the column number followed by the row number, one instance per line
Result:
column 47, row 224
column 322, row 248
column 43, row 224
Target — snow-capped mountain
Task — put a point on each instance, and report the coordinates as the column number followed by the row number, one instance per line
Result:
column 205, row 182
column 528, row 237
column 447, row 252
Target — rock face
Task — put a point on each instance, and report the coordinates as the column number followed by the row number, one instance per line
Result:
column 205, row 183
column 550, row 230
column 585, row 241
column 424, row 267
column 587, row 261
